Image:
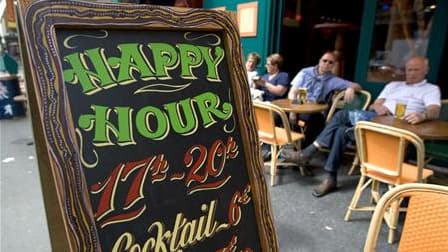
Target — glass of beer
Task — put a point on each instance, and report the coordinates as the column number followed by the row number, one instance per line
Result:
column 302, row 95
column 400, row 109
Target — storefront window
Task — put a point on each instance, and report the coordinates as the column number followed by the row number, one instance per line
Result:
column 401, row 30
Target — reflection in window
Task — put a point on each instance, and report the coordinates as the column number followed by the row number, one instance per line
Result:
column 401, row 30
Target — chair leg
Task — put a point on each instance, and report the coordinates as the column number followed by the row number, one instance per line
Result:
column 354, row 165
column 273, row 163
column 356, row 196
column 297, row 145
column 393, row 219
column 303, row 173
column 260, row 154
column 375, row 194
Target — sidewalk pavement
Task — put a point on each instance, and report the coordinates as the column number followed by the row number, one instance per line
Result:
column 23, row 222
column 303, row 223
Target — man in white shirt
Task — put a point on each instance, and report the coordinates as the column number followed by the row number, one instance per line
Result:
column 422, row 98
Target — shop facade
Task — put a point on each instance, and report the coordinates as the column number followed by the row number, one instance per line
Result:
column 373, row 37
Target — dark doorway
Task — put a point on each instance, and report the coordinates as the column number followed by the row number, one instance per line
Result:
column 310, row 28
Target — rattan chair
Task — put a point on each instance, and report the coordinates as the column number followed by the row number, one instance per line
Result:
column 277, row 137
column 437, row 149
column 361, row 101
column 424, row 227
column 382, row 150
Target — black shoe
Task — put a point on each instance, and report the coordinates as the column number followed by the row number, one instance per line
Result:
column 327, row 186
column 296, row 157
column 266, row 155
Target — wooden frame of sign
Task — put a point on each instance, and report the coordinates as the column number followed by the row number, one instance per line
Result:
column 144, row 129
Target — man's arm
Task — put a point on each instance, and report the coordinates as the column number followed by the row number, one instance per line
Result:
column 379, row 108
column 431, row 112
column 432, row 109
column 355, row 86
column 296, row 82
column 293, row 93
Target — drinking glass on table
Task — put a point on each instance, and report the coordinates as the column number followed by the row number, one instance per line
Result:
column 400, row 108
column 302, row 95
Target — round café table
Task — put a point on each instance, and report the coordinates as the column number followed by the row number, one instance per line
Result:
column 306, row 108
column 428, row 130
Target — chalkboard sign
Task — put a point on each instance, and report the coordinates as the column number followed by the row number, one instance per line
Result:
column 144, row 129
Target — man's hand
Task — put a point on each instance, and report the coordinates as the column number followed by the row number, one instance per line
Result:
column 380, row 109
column 415, row 117
column 349, row 95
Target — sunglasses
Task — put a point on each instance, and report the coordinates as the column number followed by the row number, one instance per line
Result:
column 327, row 61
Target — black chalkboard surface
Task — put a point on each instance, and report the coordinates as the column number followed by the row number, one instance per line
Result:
column 150, row 141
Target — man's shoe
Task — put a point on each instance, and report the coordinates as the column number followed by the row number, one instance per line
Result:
column 296, row 157
column 327, row 186
column 266, row 154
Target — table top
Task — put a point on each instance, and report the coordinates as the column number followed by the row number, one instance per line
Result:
column 288, row 106
column 428, row 130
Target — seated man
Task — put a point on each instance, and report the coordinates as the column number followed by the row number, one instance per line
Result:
column 423, row 103
column 320, row 83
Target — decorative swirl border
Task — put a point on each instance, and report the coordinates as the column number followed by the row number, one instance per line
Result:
column 225, row 128
column 67, row 40
column 161, row 88
column 218, row 39
column 40, row 21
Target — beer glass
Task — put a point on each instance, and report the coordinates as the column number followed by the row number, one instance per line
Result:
column 400, row 109
column 302, row 95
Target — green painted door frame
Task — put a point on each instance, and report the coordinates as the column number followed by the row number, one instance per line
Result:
column 276, row 20
column 435, row 47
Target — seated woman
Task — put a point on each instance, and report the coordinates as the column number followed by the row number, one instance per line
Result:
column 274, row 83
